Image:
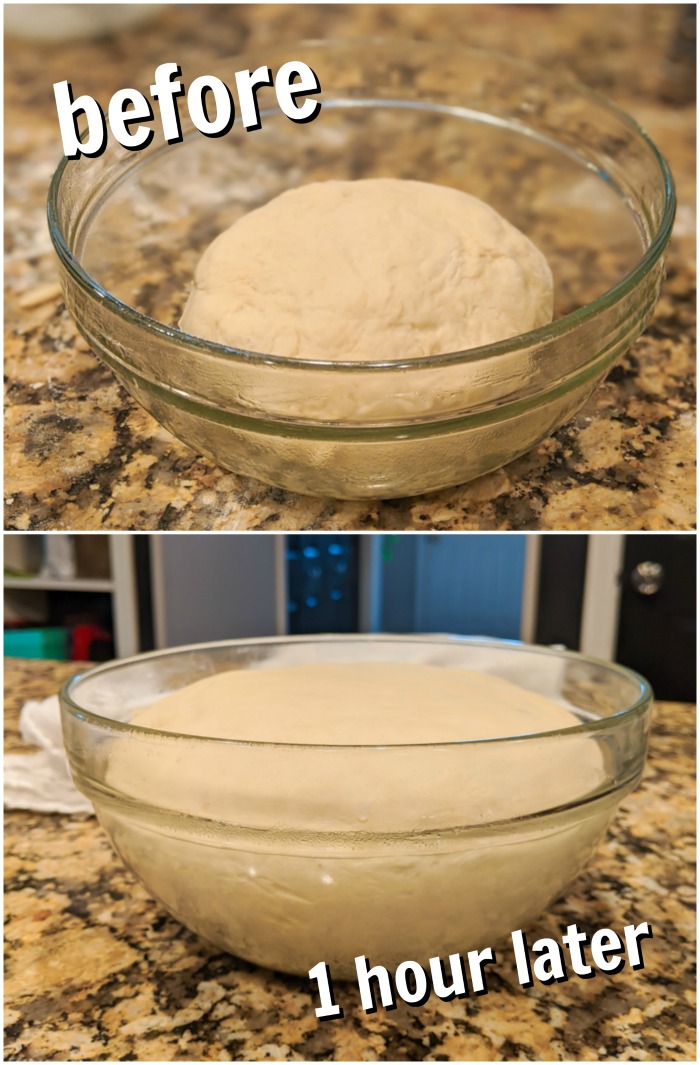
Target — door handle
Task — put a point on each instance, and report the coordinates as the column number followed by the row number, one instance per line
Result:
column 647, row 578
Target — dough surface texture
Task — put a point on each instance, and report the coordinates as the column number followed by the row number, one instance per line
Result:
column 374, row 269
column 344, row 704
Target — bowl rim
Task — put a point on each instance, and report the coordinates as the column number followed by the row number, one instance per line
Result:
column 211, row 349
column 641, row 703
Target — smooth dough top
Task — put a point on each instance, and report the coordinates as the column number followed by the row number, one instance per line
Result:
column 347, row 704
column 374, row 269
column 385, row 782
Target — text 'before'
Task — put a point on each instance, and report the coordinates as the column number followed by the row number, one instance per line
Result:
column 209, row 102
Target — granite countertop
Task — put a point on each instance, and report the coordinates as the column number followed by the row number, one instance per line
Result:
column 97, row 971
column 80, row 454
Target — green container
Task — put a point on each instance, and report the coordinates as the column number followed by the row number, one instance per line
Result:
column 37, row 643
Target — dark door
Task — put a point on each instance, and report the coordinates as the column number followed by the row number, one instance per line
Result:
column 656, row 634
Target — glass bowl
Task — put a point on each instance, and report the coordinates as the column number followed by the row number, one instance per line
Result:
column 291, row 854
column 574, row 173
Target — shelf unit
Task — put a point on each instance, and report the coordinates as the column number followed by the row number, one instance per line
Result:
column 49, row 584
column 121, row 586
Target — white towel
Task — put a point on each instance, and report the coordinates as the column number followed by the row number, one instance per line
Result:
column 41, row 781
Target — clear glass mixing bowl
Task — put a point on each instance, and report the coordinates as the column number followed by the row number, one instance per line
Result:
column 578, row 176
column 290, row 854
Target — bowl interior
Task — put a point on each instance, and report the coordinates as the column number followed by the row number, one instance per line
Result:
column 563, row 165
column 148, row 232
column 307, row 787
column 591, row 690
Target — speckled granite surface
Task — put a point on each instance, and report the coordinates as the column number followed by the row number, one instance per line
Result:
column 81, row 455
column 96, row 971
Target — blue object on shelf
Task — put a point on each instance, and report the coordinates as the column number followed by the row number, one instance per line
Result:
column 322, row 583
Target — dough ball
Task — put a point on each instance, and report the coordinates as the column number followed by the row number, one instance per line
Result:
column 374, row 269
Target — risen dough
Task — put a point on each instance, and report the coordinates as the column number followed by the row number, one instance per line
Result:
column 339, row 703
column 345, row 705
column 288, row 855
column 374, row 269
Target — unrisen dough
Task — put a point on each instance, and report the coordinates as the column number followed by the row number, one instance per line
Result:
column 373, row 269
